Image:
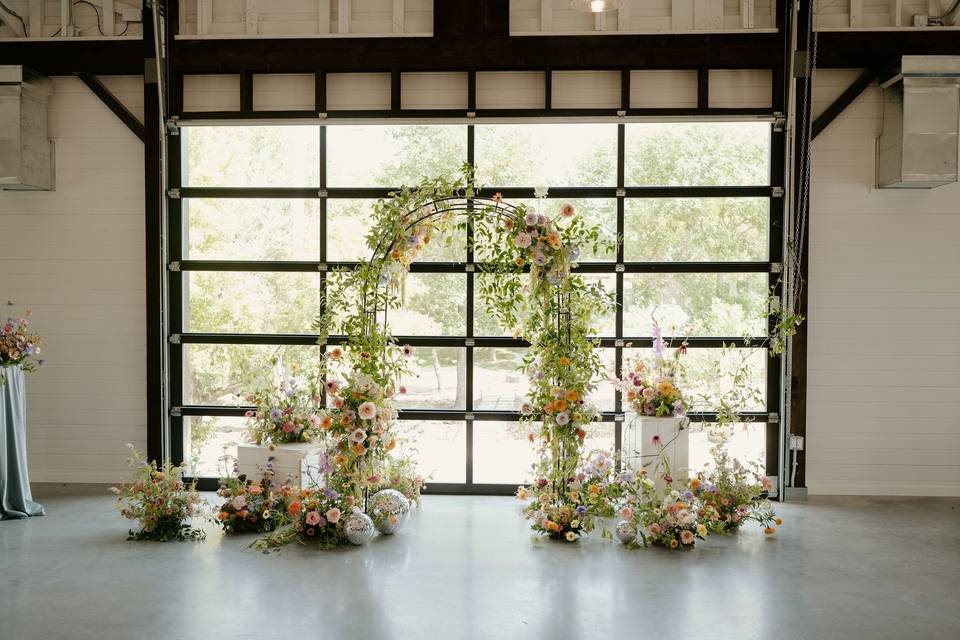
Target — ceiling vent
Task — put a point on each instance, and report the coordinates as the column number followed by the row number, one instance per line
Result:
column 919, row 144
column 26, row 154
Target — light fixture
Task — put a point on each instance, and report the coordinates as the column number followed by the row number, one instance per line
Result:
column 596, row 6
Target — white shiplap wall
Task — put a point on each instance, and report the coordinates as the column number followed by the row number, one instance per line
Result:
column 883, row 413
column 75, row 256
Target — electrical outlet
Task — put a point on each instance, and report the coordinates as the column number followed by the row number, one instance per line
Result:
column 796, row 443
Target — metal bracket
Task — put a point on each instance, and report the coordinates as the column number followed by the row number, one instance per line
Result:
column 619, row 417
column 468, row 416
column 173, row 128
column 173, row 194
column 773, row 418
column 322, row 116
column 779, row 122
column 322, row 193
column 469, row 342
column 776, row 267
column 620, row 268
column 618, row 342
column 778, row 192
column 174, row 266
column 175, row 338
column 621, row 113
column 470, row 268
column 471, row 114
column 176, row 412
column 323, row 266
column 621, row 192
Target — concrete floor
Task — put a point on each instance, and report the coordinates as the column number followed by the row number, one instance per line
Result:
column 465, row 567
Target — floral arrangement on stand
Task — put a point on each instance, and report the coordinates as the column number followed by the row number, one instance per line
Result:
column 253, row 507
column 650, row 387
column 159, row 500
column 284, row 414
column 18, row 346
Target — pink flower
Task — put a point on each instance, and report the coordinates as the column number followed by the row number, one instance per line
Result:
column 367, row 411
column 313, row 518
column 654, row 529
column 649, row 393
column 288, row 427
column 522, row 240
column 336, row 353
column 567, row 210
column 403, row 390
column 358, row 436
column 333, row 515
column 407, row 351
column 626, row 513
column 686, row 537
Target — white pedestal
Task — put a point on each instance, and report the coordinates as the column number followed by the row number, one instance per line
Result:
column 290, row 461
column 638, row 438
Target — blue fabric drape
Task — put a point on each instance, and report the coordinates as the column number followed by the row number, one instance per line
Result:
column 16, row 500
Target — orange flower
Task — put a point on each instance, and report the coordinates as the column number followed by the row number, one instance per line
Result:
column 508, row 223
column 222, row 516
column 572, row 396
column 553, row 526
column 519, row 261
column 294, row 508
column 594, row 489
column 358, row 449
column 581, row 434
column 695, row 484
column 340, row 459
column 548, row 408
column 778, row 521
column 564, row 361
column 769, row 531
column 345, row 421
column 395, row 254
column 326, row 422
column 553, row 239
column 560, row 404
column 392, row 444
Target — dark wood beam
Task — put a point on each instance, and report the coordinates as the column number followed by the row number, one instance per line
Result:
column 60, row 58
column 306, row 55
column 471, row 18
column 877, row 49
column 112, row 103
column 843, row 101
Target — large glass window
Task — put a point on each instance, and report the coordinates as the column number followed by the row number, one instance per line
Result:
column 269, row 213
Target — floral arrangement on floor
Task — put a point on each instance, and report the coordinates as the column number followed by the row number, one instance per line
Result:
column 730, row 494
column 18, row 346
column 284, row 414
column 317, row 517
column 669, row 520
column 650, row 387
column 159, row 500
column 253, row 507
column 400, row 473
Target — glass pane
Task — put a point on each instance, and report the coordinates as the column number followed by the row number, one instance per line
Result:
column 439, row 447
column 598, row 211
column 210, row 444
column 224, row 374
column 695, row 304
column 349, row 221
column 498, row 382
column 502, row 453
column 696, row 229
column 233, row 229
column 697, row 153
column 557, row 155
column 247, row 302
column 747, row 443
column 394, row 155
column 484, row 324
column 603, row 395
column 251, row 156
column 702, row 385
column 604, row 323
column 600, row 436
column 439, row 379
column 435, row 305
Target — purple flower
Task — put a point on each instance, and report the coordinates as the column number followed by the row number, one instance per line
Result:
column 679, row 410
column 530, row 219
column 581, row 509
column 649, row 409
column 275, row 414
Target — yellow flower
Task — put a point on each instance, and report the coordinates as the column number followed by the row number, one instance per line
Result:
column 594, row 489
column 701, row 530
column 674, row 544
column 522, row 493
column 574, row 524
column 571, row 536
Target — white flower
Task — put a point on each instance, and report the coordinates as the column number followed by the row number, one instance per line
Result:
column 526, row 408
column 358, row 436
column 367, row 411
column 563, row 418
column 522, row 240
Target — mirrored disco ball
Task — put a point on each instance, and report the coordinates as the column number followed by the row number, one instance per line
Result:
column 626, row 531
column 358, row 527
column 389, row 509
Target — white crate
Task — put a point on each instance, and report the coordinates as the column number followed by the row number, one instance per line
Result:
column 289, row 460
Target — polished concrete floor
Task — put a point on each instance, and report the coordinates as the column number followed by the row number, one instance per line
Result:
column 465, row 567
